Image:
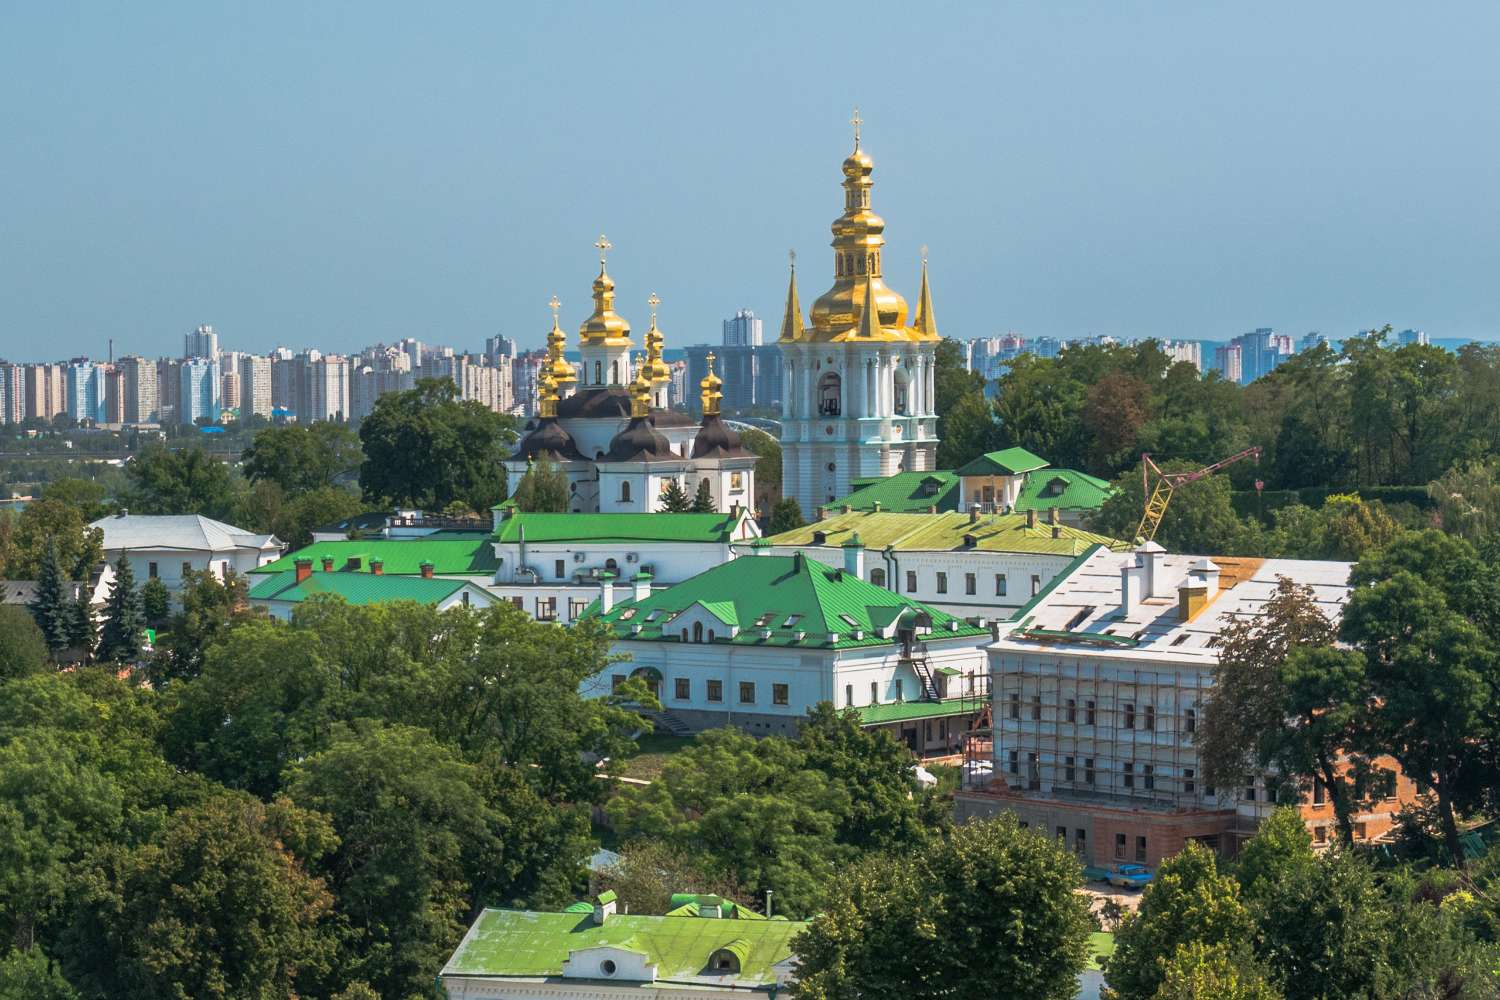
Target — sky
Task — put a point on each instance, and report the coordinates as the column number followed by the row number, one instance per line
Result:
column 332, row 175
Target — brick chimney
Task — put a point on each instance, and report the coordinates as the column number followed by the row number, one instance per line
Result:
column 377, row 566
column 304, row 569
column 328, row 564
column 1031, row 518
column 1053, row 516
column 426, row 570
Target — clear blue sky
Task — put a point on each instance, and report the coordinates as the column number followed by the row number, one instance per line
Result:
column 331, row 175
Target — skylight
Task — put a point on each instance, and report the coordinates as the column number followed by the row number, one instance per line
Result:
column 765, row 619
column 849, row 620
column 791, row 620
column 653, row 614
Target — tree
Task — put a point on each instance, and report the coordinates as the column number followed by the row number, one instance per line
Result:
column 674, row 499
column 543, row 489
column 1199, row 519
column 124, row 617
column 24, row 650
column 208, row 606
column 218, row 905
column 31, row 975
column 1197, row 971
column 83, row 629
column 767, row 452
column 1344, row 528
column 88, row 496
column 648, row 872
column 1038, row 407
column 1468, row 499
column 185, row 481
column 1189, row 901
column 51, row 605
column 156, row 601
column 703, row 499
column 886, row 929
column 1115, row 408
column 300, row 457
column 1281, row 843
column 951, row 378
column 1424, row 613
column 1284, row 703
column 53, row 522
column 969, row 431
column 785, row 516
column 266, row 507
column 426, row 447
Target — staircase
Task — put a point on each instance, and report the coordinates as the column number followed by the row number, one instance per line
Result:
column 916, row 655
column 666, row 722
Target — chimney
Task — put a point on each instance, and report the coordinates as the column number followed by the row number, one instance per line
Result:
column 847, row 509
column 1154, row 557
column 604, row 906
column 876, row 507
column 1031, row 518
column 426, row 570
column 854, row 556
column 124, row 512
column 1056, row 530
column 642, row 581
column 820, row 538
column 606, row 592
column 1194, row 593
column 328, row 564
column 797, row 561
column 377, row 566
column 1053, row 516
column 304, row 569
column 932, row 508
column 971, row 541
column 974, row 514
column 1130, row 587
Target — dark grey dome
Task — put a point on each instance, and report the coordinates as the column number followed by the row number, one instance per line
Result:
column 550, row 439
column 716, row 439
column 640, row 441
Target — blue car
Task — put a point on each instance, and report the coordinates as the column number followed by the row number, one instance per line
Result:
column 1129, row 876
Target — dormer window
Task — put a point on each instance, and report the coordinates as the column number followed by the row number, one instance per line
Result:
column 791, row 620
column 849, row 620
column 765, row 619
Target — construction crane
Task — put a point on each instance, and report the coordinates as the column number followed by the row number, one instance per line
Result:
column 1159, row 495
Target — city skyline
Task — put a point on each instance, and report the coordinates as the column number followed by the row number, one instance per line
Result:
column 442, row 177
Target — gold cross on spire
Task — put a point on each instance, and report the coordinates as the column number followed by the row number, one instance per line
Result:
column 653, row 302
column 791, row 255
column 856, row 121
column 924, row 253
column 556, row 305
column 604, row 246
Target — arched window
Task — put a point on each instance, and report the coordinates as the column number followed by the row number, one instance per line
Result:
column 900, row 393
column 625, row 492
column 684, row 635
column 697, row 631
column 710, row 635
column 612, row 566
column 830, row 395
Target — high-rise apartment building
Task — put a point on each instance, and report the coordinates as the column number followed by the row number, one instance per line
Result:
column 86, row 391
column 1229, row 361
column 1311, row 340
column 46, row 391
column 498, row 347
column 1260, row 351
column 168, row 390
column 12, row 393
column 751, row 375
column 1408, row 338
column 327, row 389
column 524, row 369
column 1183, row 351
column 138, row 386
column 229, row 389
column 114, row 395
column 201, row 343
column 743, row 330
column 198, row 391
column 255, row 386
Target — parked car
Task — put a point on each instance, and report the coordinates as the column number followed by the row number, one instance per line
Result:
column 1128, row 876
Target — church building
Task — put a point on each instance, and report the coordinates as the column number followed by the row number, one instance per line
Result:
column 606, row 425
column 858, row 378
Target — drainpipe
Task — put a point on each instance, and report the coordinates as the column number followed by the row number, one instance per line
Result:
column 888, row 554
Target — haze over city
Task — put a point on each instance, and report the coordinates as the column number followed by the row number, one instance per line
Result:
column 339, row 175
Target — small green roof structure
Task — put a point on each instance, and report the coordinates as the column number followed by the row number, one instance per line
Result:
column 451, row 554
column 356, row 588
column 767, row 600
column 906, row 492
column 659, row 527
column 1065, row 489
column 1006, row 462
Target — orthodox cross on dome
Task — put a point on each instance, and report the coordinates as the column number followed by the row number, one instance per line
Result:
column 791, row 255
column 924, row 253
column 556, row 305
column 604, row 246
column 856, row 121
column 653, row 302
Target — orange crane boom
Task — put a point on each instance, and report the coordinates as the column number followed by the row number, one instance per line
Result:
column 1159, row 495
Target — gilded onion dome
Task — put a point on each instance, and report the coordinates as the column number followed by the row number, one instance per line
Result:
column 640, row 390
column 656, row 369
column 709, row 388
column 557, row 366
column 605, row 327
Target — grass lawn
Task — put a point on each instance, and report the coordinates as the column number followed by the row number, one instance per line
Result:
column 653, row 752
column 1101, row 946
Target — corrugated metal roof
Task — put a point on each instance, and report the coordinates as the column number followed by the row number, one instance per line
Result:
column 906, row 492
column 467, row 555
column 176, row 531
column 1005, row 462
column 356, row 588
column 1065, row 489
column 946, row 532
column 660, row 527
column 905, row 711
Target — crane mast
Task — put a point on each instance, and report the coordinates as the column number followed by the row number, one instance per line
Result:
column 1159, row 494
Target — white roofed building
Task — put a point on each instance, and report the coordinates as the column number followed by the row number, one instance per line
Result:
column 167, row 546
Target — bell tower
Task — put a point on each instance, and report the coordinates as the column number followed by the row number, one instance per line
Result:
column 857, row 380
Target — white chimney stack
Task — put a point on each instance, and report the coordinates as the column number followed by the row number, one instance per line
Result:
column 854, row 557
column 1154, row 557
column 642, row 583
column 606, row 592
column 1130, row 586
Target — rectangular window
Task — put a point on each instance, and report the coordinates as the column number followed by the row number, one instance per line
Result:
column 1015, row 705
column 546, row 609
column 1250, row 794
column 1148, row 777
column 1036, row 585
column 1208, row 790
column 848, row 695
column 747, row 692
column 1360, row 832
column 1088, row 713
column 615, row 681
column 736, row 480
column 780, row 694
column 1015, row 762
column 683, row 688
column 1072, row 710
column 942, row 583
column 187, row 568
column 1062, row 833
column 1188, row 784
column 1150, row 719
column 151, row 570
column 1320, row 834
column 1036, row 708
column 1140, row 849
column 900, row 690
column 1069, row 771
column 1129, row 722
column 1190, row 720
column 1033, row 772
column 1088, row 770
column 911, row 581
column 716, row 691
column 559, row 569
column 575, row 608
column 999, row 584
column 874, row 693
column 518, row 602
column 1129, row 776
column 1120, row 846
column 1319, row 796
column 1080, row 842
column 971, row 584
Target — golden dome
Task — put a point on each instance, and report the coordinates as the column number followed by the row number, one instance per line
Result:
column 546, row 392
column 640, row 390
column 858, row 245
column 556, row 365
column 656, row 369
column 605, row 328
column 709, row 388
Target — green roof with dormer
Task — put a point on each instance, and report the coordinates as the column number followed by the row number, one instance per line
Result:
column 1065, row 489
column 503, row 944
column 786, row 595
column 907, row 492
column 659, row 527
column 356, row 588
column 467, row 554
column 1005, row 462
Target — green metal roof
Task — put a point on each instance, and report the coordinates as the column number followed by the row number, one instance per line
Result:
column 1065, row 489
column 1006, row 462
column 618, row 527
column 945, row 532
column 469, row 554
column 773, row 589
column 907, row 492
column 356, row 588
column 519, row 943
column 905, row 711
